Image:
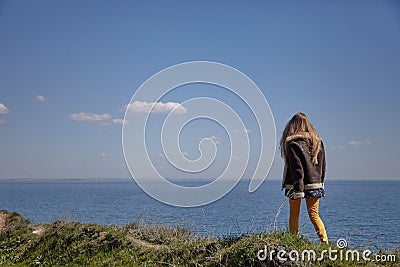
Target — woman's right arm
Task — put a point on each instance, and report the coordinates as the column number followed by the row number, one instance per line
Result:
column 323, row 163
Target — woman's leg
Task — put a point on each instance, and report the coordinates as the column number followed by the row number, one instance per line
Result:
column 294, row 215
column 312, row 208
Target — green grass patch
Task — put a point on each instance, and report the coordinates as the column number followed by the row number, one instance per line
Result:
column 64, row 243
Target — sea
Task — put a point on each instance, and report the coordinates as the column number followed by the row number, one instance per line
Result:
column 365, row 213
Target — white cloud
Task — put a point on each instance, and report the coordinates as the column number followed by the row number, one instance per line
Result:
column 112, row 122
column 118, row 121
column 102, row 119
column 159, row 107
column 82, row 116
column 338, row 147
column 359, row 143
column 2, row 122
column 3, row 109
column 40, row 98
column 352, row 143
column 216, row 139
column 103, row 154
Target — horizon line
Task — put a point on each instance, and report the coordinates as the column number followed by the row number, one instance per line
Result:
column 185, row 180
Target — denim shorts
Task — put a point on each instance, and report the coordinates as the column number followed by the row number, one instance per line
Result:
column 320, row 192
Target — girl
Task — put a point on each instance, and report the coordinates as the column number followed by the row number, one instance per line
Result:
column 304, row 155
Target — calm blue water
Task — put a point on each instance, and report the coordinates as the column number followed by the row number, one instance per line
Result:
column 365, row 212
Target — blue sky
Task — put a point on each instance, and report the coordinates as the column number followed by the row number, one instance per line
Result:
column 337, row 61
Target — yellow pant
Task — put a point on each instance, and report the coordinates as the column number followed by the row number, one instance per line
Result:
column 312, row 208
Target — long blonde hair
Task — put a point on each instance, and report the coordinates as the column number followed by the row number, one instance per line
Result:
column 300, row 125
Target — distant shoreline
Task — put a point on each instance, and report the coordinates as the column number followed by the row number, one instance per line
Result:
column 189, row 181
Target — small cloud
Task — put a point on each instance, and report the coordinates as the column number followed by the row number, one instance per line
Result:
column 112, row 122
column 359, row 143
column 118, row 121
column 2, row 122
column 155, row 107
column 244, row 130
column 82, row 116
column 40, row 98
column 338, row 147
column 353, row 143
column 102, row 119
column 103, row 155
column 3, row 109
column 217, row 140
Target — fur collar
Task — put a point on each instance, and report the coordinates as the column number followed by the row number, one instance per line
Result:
column 303, row 135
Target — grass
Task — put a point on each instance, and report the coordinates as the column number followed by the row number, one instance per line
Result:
column 63, row 243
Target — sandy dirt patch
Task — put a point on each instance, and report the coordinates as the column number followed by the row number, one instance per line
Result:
column 3, row 217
